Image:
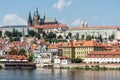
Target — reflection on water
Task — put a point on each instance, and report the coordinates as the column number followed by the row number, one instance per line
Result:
column 58, row 74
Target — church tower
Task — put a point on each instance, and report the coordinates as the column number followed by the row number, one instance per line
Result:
column 29, row 19
column 36, row 17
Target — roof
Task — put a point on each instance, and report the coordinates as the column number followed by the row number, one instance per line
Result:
column 53, row 46
column 63, row 57
column 90, row 43
column 17, row 43
column 51, row 26
column 16, row 57
column 95, row 27
column 104, row 54
column 50, row 20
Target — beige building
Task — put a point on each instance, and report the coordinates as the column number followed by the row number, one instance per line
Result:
column 79, row 49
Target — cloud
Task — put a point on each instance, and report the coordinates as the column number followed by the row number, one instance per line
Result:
column 13, row 19
column 76, row 22
column 62, row 4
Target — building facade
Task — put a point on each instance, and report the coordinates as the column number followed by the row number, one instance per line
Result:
column 79, row 49
column 19, row 28
column 43, row 24
column 104, row 31
column 103, row 57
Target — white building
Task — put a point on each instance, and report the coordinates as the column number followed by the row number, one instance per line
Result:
column 104, row 31
column 19, row 28
column 103, row 57
column 61, row 60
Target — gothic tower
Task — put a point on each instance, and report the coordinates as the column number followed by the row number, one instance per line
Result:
column 36, row 17
column 29, row 20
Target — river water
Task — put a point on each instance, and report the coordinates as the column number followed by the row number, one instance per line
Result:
column 59, row 74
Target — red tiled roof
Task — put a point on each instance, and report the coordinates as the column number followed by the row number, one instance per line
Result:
column 16, row 57
column 63, row 57
column 92, row 27
column 53, row 46
column 83, row 43
column 51, row 26
column 104, row 54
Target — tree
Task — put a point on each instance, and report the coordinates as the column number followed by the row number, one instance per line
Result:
column 44, row 35
column 16, row 39
column 66, row 37
column 15, row 33
column 77, row 36
column 88, row 37
column 112, row 36
column 109, row 38
column 60, row 37
column 100, row 38
column 92, row 36
column 13, row 52
column 70, row 34
column 19, row 34
column 8, row 33
column 10, row 39
column 37, row 35
column 83, row 37
column 22, row 52
column 51, row 35
column 0, row 33
column 31, row 58
column 76, row 60
column 32, row 33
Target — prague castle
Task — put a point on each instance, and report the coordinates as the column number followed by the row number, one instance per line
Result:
column 38, row 20
column 43, row 24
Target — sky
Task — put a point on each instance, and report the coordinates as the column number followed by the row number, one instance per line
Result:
column 70, row 12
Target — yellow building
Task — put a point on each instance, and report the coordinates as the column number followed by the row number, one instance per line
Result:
column 79, row 49
column 68, row 49
column 84, row 47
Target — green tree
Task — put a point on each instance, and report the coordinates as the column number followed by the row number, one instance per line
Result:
column 19, row 34
column 77, row 36
column 92, row 36
column 76, row 60
column 13, row 52
column 60, row 37
column 22, row 52
column 51, row 35
column 10, row 39
column 70, row 34
column 109, row 38
column 32, row 33
column 66, row 37
column 8, row 33
column 37, row 35
column 88, row 37
column 44, row 35
column 100, row 38
column 16, row 38
column 112, row 36
column 15, row 33
column 31, row 58
column 83, row 37
column 0, row 33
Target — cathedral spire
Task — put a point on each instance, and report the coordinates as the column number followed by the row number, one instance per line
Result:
column 36, row 12
column 44, row 15
column 29, row 19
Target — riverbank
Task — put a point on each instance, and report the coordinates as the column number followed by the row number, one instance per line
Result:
column 83, row 66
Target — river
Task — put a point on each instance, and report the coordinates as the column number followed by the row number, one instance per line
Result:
column 58, row 74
